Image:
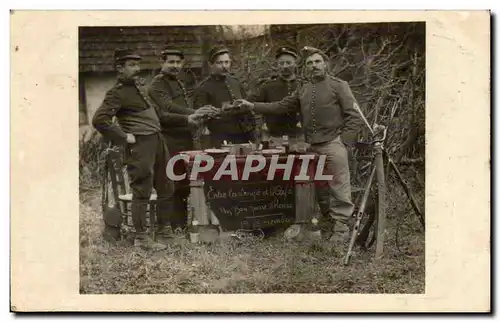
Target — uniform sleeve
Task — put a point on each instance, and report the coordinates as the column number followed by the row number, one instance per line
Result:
column 181, row 109
column 103, row 118
column 288, row 104
column 352, row 118
column 173, row 119
column 169, row 113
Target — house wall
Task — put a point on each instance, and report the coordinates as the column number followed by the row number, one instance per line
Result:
column 95, row 88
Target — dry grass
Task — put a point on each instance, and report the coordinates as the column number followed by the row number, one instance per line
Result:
column 268, row 266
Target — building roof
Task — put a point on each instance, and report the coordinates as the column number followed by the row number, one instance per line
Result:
column 290, row 28
column 97, row 45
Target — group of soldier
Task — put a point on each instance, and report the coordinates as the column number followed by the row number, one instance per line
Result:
column 161, row 119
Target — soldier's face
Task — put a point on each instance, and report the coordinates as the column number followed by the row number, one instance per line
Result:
column 315, row 65
column 172, row 65
column 129, row 69
column 286, row 65
column 221, row 65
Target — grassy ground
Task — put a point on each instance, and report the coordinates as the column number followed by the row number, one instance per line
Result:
column 267, row 266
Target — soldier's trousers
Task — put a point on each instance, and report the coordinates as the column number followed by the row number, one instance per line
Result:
column 178, row 217
column 146, row 160
column 335, row 198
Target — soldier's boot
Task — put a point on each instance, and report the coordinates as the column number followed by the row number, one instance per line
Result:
column 342, row 230
column 163, row 229
column 144, row 241
column 340, row 236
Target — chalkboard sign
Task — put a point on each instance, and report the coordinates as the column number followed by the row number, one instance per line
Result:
column 251, row 204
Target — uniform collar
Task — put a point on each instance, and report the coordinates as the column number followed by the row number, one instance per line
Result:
column 289, row 80
column 219, row 77
column 169, row 76
column 318, row 79
column 126, row 81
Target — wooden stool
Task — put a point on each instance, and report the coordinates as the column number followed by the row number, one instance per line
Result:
column 122, row 197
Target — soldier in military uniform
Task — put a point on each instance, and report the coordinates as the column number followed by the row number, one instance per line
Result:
column 331, row 120
column 221, row 89
column 138, row 129
column 170, row 95
column 274, row 90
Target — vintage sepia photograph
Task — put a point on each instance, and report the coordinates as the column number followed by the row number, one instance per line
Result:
column 278, row 158
column 248, row 161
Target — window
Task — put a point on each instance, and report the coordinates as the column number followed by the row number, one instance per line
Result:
column 83, row 104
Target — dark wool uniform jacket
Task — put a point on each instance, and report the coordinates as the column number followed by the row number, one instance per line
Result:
column 274, row 90
column 215, row 90
column 327, row 108
column 169, row 94
column 134, row 113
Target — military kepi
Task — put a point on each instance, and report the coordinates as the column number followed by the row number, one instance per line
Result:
column 216, row 51
column 170, row 50
column 308, row 51
column 286, row 51
column 125, row 54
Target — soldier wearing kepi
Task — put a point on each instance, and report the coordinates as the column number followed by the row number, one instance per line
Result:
column 170, row 95
column 274, row 90
column 138, row 130
column 331, row 120
column 220, row 89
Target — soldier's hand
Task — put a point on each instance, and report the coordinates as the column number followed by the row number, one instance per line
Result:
column 194, row 119
column 130, row 138
column 243, row 104
column 205, row 109
column 208, row 111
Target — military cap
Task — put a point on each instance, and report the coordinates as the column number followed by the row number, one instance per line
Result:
column 216, row 51
column 171, row 50
column 309, row 51
column 124, row 54
column 286, row 51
